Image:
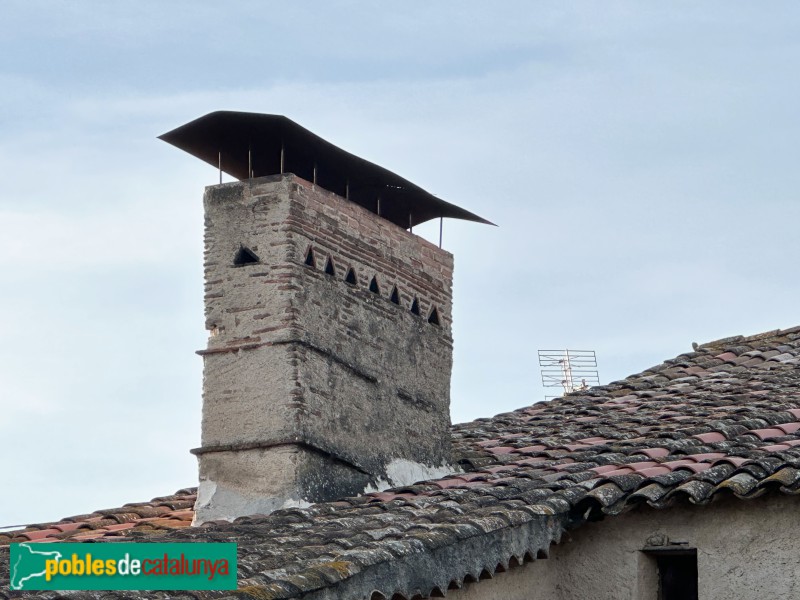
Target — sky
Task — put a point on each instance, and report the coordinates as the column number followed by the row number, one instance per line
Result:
column 639, row 159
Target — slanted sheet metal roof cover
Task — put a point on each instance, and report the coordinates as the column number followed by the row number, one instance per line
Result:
column 238, row 140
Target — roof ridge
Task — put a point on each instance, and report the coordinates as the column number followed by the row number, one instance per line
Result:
column 757, row 337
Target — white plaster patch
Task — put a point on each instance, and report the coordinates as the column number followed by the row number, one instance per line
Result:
column 205, row 492
column 293, row 503
column 402, row 471
column 215, row 503
column 406, row 472
column 205, row 495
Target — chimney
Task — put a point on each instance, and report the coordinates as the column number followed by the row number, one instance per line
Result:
column 327, row 371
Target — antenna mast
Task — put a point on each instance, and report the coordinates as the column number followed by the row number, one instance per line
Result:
column 572, row 370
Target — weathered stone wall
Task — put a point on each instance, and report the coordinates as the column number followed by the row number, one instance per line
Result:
column 356, row 384
column 745, row 549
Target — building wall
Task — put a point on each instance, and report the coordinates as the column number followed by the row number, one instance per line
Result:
column 356, row 385
column 745, row 549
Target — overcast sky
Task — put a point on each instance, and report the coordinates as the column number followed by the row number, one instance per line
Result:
column 640, row 159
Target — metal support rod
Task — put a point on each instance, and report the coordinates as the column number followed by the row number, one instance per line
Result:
column 410, row 222
column 220, row 165
column 250, row 163
column 347, row 190
column 281, row 158
column 378, row 207
column 441, row 227
column 315, row 173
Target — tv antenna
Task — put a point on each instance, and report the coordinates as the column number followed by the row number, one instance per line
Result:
column 571, row 370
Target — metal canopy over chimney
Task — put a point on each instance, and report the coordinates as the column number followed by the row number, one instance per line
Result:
column 250, row 145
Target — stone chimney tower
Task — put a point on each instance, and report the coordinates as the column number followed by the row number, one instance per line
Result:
column 327, row 371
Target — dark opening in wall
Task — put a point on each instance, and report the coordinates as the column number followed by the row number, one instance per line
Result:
column 350, row 278
column 677, row 576
column 245, row 256
column 415, row 307
column 310, row 259
column 433, row 318
column 395, row 297
column 373, row 286
column 329, row 268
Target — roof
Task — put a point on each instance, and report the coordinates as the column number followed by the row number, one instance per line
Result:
column 159, row 515
column 247, row 145
column 723, row 420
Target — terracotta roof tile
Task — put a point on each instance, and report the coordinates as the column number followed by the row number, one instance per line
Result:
column 641, row 466
column 653, row 471
column 710, row 437
column 706, row 456
column 788, row 427
column 66, row 527
column 35, row 535
column 767, row 434
column 736, row 461
column 501, row 449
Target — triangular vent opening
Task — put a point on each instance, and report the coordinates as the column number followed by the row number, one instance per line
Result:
column 373, row 286
column 310, row 260
column 395, row 297
column 350, row 278
column 415, row 307
column 329, row 268
column 245, row 256
column 433, row 319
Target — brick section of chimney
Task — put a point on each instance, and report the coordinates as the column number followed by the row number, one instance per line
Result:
column 315, row 388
